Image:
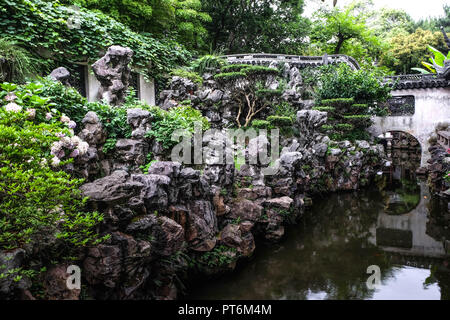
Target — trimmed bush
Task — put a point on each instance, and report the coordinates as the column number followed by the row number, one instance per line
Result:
column 229, row 76
column 327, row 127
column 261, row 124
column 324, row 109
column 337, row 102
column 278, row 121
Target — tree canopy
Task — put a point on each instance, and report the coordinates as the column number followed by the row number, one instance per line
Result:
column 257, row 26
column 345, row 31
column 165, row 33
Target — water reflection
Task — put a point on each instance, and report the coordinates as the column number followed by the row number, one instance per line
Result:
column 407, row 233
column 327, row 255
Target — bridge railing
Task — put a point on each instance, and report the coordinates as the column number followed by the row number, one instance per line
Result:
column 309, row 60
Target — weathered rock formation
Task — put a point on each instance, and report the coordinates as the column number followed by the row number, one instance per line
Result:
column 62, row 75
column 113, row 73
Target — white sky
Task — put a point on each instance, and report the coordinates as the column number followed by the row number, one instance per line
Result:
column 418, row 9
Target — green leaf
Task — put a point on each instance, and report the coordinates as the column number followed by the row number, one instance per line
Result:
column 439, row 57
column 422, row 71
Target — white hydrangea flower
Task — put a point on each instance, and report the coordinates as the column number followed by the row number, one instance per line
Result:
column 65, row 119
column 72, row 124
column 83, row 147
column 56, row 147
column 55, row 161
column 76, row 140
column 13, row 107
column 67, row 143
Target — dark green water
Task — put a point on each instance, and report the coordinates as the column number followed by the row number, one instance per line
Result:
column 327, row 255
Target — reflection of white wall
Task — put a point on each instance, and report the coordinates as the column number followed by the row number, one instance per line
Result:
column 146, row 90
column 416, row 221
column 432, row 107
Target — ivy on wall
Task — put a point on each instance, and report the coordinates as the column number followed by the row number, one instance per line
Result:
column 60, row 34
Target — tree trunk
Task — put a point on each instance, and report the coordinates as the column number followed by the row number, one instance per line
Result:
column 338, row 48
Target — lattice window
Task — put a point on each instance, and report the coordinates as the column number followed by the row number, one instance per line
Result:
column 402, row 106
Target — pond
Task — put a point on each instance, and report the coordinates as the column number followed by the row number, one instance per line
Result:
column 399, row 229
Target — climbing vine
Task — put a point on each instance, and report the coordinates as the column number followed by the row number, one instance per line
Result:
column 59, row 34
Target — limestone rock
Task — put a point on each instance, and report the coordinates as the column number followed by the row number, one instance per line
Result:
column 92, row 132
column 113, row 73
column 62, row 75
column 165, row 168
column 173, row 236
column 111, row 189
column 140, row 122
column 246, row 210
column 202, row 229
column 131, row 153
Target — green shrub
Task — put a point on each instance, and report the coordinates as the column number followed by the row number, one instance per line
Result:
column 362, row 107
column 261, row 124
column 113, row 119
column 284, row 109
column 229, row 76
column 446, row 177
column 365, row 85
column 261, row 70
column 358, row 117
column 327, row 127
column 218, row 257
column 324, row 109
column 166, row 122
column 337, row 102
column 268, row 93
column 66, row 100
column 36, row 200
column 183, row 73
column 206, row 63
column 278, row 121
column 347, row 95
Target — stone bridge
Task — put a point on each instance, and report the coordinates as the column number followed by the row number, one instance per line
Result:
column 295, row 61
column 419, row 104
